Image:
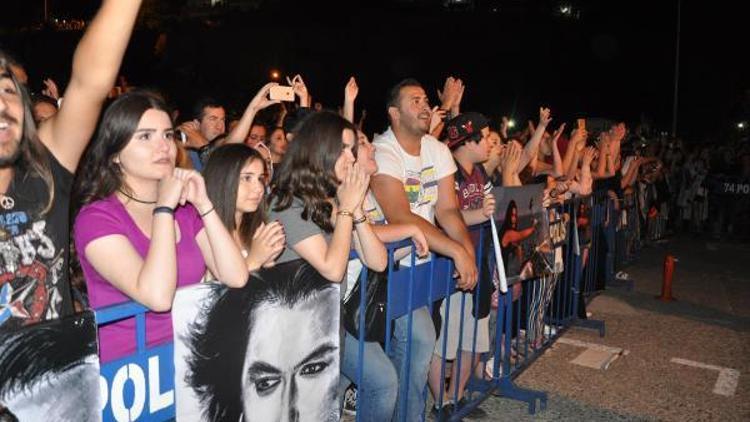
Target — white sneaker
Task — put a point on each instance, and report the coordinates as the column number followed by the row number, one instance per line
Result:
column 350, row 400
column 489, row 367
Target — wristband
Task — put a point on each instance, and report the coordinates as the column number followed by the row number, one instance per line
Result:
column 344, row 212
column 207, row 212
column 360, row 220
column 165, row 210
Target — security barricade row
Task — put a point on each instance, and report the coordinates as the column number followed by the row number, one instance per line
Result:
column 524, row 320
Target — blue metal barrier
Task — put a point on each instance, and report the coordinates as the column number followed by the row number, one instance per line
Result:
column 141, row 386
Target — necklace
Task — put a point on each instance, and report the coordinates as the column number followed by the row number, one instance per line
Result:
column 6, row 202
column 133, row 198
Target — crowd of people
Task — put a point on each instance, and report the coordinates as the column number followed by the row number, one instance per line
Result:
column 139, row 205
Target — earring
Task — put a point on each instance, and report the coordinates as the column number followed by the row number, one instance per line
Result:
column 242, row 416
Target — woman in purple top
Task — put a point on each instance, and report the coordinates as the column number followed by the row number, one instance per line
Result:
column 145, row 227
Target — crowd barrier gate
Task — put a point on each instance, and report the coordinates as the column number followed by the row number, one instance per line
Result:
column 141, row 386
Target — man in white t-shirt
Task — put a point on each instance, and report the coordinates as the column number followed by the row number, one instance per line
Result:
column 414, row 185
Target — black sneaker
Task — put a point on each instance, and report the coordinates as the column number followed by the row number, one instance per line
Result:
column 476, row 413
column 350, row 400
column 439, row 415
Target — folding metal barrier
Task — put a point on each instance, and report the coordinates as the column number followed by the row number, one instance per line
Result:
column 524, row 327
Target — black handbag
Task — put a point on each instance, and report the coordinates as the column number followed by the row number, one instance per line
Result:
column 376, row 298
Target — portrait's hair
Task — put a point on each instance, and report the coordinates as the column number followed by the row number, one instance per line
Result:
column 218, row 341
column 100, row 176
column 507, row 223
column 199, row 108
column 222, row 176
column 33, row 157
column 46, row 349
column 307, row 171
column 394, row 94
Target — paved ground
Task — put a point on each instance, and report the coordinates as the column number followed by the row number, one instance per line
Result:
column 709, row 324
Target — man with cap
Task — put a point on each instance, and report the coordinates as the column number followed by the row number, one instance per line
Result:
column 466, row 135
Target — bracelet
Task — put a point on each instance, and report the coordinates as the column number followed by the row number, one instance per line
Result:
column 165, row 210
column 345, row 212
column 360, row 220
column 207, row 212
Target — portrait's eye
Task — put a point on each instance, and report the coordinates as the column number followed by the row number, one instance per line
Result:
column 313, row 368
column 266, row 385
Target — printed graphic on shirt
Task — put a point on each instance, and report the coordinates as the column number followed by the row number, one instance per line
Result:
column 421, row 187
column 30, row 269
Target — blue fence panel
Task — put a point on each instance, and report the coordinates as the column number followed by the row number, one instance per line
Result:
column 528, row 319
column 140, row 386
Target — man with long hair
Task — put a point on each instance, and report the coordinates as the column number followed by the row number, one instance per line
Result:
column 37, row 166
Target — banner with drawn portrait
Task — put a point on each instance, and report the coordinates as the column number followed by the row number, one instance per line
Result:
column 268, row 349
column 49, row 371
column 523, row 230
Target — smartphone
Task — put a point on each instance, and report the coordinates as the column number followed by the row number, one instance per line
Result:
column 283, row 93
column 582, row 124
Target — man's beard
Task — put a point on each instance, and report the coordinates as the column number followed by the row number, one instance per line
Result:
column 12, row 158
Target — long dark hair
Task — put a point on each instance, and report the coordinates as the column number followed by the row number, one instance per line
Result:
column 222, row 176
column 219, row 339
column 307, row 171
column 100, row 176
column 33, row 154
column 508, row 223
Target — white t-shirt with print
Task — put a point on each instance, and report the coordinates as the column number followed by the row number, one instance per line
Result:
column 419, row 174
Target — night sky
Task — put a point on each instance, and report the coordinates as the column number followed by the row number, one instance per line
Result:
column 616, row 60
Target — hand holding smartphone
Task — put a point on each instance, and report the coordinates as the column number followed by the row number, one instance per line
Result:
column 281, row 93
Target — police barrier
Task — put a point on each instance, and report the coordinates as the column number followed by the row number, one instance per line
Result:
column 527, row 320
column 140, row 386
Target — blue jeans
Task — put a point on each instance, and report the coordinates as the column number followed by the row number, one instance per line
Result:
column 422, row 346
column 376, row 396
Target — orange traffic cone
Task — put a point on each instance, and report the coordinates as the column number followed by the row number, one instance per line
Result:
column 666, row 284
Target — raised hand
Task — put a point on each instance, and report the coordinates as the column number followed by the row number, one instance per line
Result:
column 578, row 138
column 544, row 117
column 300, row 89
column 451, row 94
column 589, row 155
column 437, row 116
column 618, row 132
column 195, row 138
column 557, row 133
column 50, row 89
column 261, row 101
column 510, row 158
column 351, row 90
